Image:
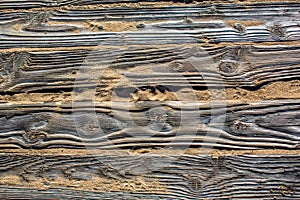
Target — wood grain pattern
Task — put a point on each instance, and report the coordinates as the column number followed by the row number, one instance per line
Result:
column 154, row 36
column 175, row 67
column 186, row 177
column 128, row 76
column 27, row 28
column 270, row 124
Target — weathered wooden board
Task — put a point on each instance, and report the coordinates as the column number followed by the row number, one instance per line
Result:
column 246, row 66
column 27, row 28
column 269, row 124
column 154, row 35
column 184, row 177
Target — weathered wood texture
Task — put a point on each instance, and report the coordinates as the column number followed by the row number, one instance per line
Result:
column 28, row 66
column 132, row 56
column 269, row 124
column 247, row 66
column 27, row 28
column 185, row 177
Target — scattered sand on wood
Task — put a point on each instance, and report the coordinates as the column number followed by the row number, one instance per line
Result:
column 17, row 27
column 148, row 151
column 149, row 96
column 96, row 184
column 272, row 91
column 10, row 180
column 157, row 4
column 245, row 22
column 125, row 5
column 111, row 26
column 29, row 98
column 221, row 153
column 94, row 6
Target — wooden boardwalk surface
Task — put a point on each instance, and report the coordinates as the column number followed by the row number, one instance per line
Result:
column 128, row 99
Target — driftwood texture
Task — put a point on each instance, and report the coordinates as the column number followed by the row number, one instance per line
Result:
column 267, row 124
column 124, row 99
column 184, row 177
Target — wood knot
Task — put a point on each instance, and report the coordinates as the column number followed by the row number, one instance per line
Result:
column 239, row 27
column 187, row 21
column 238, row 52
column 278, row 31
column 195, row 182
column 10, row 64
column 158, row 118
column 141, row 25
column 239, row 126
column 34, row 136
column 157, row 115
column 182, row 66
column 228, row 67
column 39, row 23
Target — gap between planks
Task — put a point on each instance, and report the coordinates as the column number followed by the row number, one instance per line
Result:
column 271, row 91
column 191, row 151
column 125, row 4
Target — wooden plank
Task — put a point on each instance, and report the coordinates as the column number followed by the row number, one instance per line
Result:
column 151, row 36
column 24, row 193
column 174, row 67
column 269, row 124
column 78, row 10
column 85, row 26
column 180, row 177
